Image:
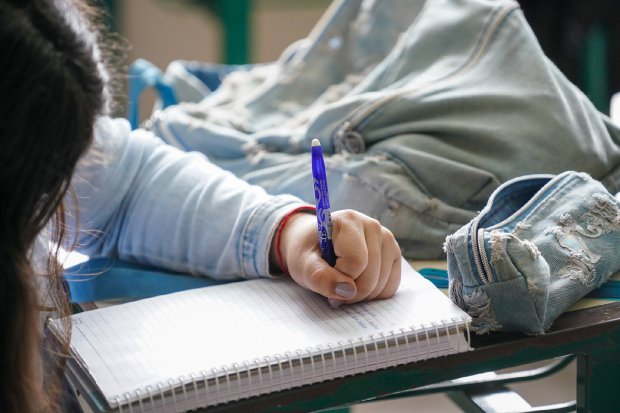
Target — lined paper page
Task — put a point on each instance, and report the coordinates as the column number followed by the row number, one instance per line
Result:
column 131, row 346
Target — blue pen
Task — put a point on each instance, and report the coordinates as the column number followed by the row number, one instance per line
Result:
column 323, row 213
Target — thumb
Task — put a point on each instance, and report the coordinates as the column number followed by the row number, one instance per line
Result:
column 330, row 282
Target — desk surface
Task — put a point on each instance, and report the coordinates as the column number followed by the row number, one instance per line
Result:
column 592, row 334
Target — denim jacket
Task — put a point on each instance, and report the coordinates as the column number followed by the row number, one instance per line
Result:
column 425, row 108
column 141, row 200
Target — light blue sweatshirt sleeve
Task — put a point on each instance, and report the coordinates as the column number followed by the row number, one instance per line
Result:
column 141, row 200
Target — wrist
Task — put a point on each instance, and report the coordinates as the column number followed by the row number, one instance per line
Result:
column 277, row 257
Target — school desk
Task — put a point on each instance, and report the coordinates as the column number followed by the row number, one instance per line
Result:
column 591, row 334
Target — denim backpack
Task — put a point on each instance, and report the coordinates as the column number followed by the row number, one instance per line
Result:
column 423, row 109
column 540, row 244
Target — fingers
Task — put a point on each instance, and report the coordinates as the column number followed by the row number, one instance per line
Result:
column 389, row 278
column 350, row 244
column 370, row 277
column 367, row 264
column 375, row 268
column 305, row 264
column 393, row 281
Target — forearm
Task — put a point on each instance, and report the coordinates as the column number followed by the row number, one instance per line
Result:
column 153, row 204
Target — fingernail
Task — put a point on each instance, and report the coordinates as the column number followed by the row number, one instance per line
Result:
column 334, row 302
column 345, row 290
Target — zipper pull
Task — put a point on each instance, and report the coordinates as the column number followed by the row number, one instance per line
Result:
column 348, row 140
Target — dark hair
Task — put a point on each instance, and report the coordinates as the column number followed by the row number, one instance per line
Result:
column 52, row 87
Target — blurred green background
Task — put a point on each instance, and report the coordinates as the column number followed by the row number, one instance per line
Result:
column 580, row 36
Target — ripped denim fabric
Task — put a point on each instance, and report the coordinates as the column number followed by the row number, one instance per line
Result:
column 540, row 244
column 423, row 109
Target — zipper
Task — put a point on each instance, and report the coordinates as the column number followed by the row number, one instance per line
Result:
column 485, row 273
column 358, row 116
column 480, row 255
column 483, row 256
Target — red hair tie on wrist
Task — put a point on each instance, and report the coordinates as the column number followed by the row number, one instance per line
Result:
column 307, row 208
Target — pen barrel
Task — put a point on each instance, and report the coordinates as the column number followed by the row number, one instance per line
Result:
column 323, row 212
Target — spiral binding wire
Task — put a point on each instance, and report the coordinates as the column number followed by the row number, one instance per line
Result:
column 291, row 369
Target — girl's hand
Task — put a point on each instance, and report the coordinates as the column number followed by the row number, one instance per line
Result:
column 368, row 257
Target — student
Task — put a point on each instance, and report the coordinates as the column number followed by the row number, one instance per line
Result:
column 133, row 197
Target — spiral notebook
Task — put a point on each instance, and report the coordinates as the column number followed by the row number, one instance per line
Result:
column 213, row 345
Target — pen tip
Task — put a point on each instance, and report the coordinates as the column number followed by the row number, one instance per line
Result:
column 315, row 142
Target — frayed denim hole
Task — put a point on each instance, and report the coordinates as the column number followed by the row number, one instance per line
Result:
column 478, row 306
column 455, row 291
column 498, row 252
column 457, row 259
column 532, row 287
column 579, row 268
column 498, row 245
column 455, row 284
column 521, row 226
column 447, row 247
column 510, row 308
column 602, row 217
column 571, row 237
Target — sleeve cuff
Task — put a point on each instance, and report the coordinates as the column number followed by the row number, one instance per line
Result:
column 260, row 230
